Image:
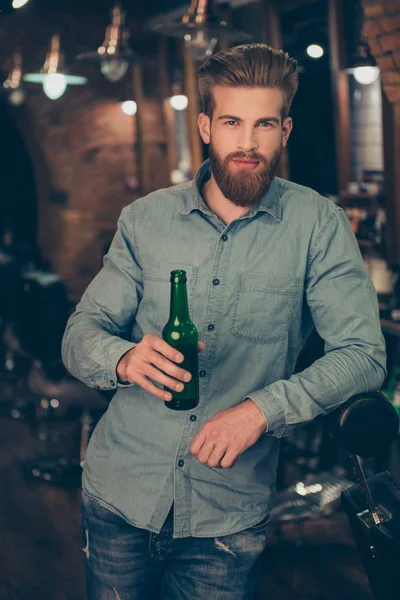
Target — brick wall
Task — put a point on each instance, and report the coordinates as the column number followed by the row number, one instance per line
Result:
column 81, row 146
column 382, row 27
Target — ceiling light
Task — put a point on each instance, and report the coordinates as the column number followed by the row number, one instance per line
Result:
column 366, row 75
column 115, row 54
column 52, row 77
column 364, row 67
column 315, row 51
column 129, row 107
column 179, row 102
column 201, row 28
column 19, row 3
column 12, row 85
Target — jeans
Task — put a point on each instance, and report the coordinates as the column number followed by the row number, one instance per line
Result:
column 123, row 562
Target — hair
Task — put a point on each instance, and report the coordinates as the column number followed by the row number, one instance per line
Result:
column 248, row 65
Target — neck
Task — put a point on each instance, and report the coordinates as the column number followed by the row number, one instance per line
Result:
column 179, row 306
column 219, row 205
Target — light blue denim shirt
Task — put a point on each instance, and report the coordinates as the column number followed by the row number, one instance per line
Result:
column 256, row 287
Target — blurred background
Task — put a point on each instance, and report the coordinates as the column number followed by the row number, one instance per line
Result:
column 98, row 107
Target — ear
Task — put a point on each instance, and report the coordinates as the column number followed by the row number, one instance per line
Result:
column 287, row 127
column 204, row 127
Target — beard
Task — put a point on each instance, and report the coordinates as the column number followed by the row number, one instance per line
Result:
column 243, row 188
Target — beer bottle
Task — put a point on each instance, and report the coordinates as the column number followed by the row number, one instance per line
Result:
column 181, row 333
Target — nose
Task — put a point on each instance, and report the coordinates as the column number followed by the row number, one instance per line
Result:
column 247, row 141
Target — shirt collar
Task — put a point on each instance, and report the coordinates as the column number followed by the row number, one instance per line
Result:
column 270, row 202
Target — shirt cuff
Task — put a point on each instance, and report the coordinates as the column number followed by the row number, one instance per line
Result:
column 120, row 348
column 272, row 410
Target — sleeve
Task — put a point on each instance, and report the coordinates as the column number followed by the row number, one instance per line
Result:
column 94, row 339
column 344, row 307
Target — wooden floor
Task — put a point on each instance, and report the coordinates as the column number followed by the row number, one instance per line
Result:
column 41, row 556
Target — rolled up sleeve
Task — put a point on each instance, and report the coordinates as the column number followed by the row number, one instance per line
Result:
column 97, row 333
column 344, row 307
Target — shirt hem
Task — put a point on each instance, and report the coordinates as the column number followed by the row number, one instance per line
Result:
column 152, row 529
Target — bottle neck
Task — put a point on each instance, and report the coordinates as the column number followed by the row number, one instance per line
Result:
column 179, row 303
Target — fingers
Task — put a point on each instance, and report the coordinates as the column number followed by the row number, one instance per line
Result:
column 153, row 358
column 160, row 377
column 229, row 460
column 170, row 368
column 153, row 389
column 215, row 456
column 161, row 346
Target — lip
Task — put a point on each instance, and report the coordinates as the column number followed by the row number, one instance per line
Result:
column 246, row 160
column 246, row 163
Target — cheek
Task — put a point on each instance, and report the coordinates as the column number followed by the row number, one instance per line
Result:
column 222, row 146
column 269, row 144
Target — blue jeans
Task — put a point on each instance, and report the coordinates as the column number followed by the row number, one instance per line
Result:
column 123, row 562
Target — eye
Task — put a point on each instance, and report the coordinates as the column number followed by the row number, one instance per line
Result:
column 266, row 124
column 230, row 122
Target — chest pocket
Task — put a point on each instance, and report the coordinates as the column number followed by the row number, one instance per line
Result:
column 263, row 306
column 157, row 290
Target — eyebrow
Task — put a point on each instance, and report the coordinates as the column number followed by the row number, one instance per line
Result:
column 233, row 118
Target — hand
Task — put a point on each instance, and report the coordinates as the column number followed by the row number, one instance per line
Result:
column 228, row 434
column 149, row 358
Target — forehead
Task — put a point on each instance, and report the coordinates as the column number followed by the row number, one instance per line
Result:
column 251, row 102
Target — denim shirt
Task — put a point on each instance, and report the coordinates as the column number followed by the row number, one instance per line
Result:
column 256, row 288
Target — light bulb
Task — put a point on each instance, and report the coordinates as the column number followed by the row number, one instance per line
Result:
column 114, row 69
column 16, row 97
column 129, row 107
column 366, row 75
column 54, row 85
column 178, row 102
column 19, row 3
column 315, row 51
column 200, row 45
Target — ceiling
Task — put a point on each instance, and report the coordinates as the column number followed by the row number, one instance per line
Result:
column 138, row 8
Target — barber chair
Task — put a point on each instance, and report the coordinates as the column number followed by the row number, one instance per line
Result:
column 364, row 425
column 34, row 335
column 54, row 389
column 10, row 294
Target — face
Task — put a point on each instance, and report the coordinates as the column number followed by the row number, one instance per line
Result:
column 246, row 136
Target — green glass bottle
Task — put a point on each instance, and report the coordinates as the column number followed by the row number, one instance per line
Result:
column 181, row 333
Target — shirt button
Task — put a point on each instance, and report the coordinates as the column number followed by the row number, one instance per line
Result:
column 224, row 237
column 211, row 327
column 216, row 281
column 193, row 418
column 112, row 381
column 181, row 463
column 202, row 373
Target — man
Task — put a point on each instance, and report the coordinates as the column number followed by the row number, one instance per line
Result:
column 176, row 505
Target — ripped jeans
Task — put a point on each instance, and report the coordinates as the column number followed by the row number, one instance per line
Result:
column 123, row 562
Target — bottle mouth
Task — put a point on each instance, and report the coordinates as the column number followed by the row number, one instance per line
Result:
column 178, row 276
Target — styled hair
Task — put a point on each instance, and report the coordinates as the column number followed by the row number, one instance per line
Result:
column 248, row 65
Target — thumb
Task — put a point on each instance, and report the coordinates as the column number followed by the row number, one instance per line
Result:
column 201, row 346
